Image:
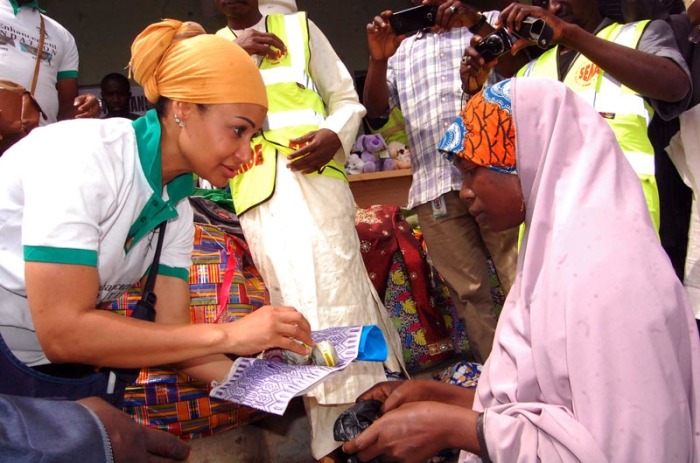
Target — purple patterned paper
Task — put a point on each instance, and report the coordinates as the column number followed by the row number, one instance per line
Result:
column 269, row 386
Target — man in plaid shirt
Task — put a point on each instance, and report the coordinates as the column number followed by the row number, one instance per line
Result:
column 420, row 75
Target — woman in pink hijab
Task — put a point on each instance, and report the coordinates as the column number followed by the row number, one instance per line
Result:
column 596, row 356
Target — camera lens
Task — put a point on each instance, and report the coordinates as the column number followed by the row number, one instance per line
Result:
column 494, row 45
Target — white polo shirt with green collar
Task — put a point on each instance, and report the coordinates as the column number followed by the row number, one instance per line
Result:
column 87, row 192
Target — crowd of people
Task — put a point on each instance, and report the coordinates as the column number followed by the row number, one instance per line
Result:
column 540, row 161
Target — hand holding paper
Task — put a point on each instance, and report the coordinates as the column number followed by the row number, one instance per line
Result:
column 269, row 386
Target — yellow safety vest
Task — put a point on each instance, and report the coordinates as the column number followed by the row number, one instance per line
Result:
column 394, row 129
column 627, row 113
column 295, row 109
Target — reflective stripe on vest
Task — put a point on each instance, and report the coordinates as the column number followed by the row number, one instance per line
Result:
column 294, row 102
column 295, row 109
column 626, row 112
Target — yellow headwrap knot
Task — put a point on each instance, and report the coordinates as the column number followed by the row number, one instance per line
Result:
column 182, row 62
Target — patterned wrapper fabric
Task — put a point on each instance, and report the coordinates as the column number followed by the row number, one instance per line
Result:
column 415, row 296
column 224, row 286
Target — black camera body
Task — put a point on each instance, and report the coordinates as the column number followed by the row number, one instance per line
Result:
column 501, row 41
column 497, row 43
column 413, row 19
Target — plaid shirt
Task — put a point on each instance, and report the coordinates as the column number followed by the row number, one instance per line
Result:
column 423, row 79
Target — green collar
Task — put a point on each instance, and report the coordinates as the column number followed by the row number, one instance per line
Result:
column 148, row 134
column 156, row 210
column 33, row 4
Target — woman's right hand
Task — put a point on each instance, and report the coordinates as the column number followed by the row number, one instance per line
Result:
column 269, row 327
column 381, row 39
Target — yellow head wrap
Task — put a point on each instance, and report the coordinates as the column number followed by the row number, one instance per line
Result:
column 182, row 62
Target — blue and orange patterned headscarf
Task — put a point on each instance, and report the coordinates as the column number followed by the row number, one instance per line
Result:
column 484, row 132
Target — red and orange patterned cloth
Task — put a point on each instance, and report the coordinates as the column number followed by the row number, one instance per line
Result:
column 484, row 132
column 415, row 296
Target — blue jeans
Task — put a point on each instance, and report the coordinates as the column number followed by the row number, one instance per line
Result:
column 16, row 378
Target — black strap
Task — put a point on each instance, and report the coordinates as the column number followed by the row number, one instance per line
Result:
column 146, row 307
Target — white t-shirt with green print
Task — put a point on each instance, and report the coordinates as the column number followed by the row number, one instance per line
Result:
column 19, row 40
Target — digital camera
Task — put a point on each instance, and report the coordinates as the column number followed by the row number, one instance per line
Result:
column 413, row 19
column 501, row 41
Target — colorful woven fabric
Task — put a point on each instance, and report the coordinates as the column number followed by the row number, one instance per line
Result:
column 415, row 295
column 418, row 352
column 224, row 286
column 224, row 283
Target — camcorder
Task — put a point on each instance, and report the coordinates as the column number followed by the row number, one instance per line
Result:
column 413, row 19
column 501, row 41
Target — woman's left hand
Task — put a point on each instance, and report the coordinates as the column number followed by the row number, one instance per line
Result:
column 86, row 106
column 412, row 433
column 316, row 149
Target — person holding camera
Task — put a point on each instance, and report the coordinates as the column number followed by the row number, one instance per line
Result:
column 627, row 72
column 418, row 74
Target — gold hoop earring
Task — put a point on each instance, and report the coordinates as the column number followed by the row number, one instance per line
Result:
column 179, row 121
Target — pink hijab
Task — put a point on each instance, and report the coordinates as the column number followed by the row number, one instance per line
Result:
column 596, row 353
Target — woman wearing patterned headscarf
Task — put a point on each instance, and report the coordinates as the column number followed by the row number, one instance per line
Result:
column 596, row 356
column 79, row 207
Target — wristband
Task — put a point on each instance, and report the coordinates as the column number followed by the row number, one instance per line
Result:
column 475, row 28
column 481, row 439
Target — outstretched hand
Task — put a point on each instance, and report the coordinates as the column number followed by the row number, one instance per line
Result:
column 86, row 106
column 394, row 394
column 269, row 327
column 415, row 432
column 133, row 442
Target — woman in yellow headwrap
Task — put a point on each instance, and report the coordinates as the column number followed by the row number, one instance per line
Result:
column 81, row 208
